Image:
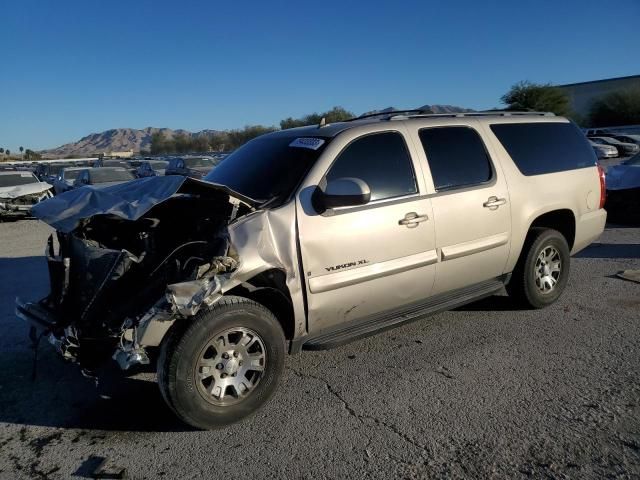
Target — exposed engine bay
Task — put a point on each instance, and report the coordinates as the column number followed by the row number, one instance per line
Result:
column 121, row 272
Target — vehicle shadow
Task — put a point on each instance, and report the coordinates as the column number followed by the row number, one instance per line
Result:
column 495, row 303
column 60, row 396
column 610, row 250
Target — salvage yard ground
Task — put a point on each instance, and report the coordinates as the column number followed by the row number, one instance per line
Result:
column 483, row 391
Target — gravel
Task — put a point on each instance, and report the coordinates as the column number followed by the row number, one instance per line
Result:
column 484, row 391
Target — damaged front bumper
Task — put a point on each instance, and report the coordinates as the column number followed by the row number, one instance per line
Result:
column 120, row 280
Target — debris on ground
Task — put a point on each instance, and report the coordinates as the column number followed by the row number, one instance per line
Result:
column 631, row 275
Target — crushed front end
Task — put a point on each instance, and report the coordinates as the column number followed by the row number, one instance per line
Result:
column 127, row 262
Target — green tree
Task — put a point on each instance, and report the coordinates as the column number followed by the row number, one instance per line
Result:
column 336, row 114
column 1, row 150
column 8, row 152
column 535, row 97
column 616, row 108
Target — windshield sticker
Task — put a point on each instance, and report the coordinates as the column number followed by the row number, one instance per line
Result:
column 25, row 175
column 310, row 143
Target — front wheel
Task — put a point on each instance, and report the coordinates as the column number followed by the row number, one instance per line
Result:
column 224, row 365
column 543, row 269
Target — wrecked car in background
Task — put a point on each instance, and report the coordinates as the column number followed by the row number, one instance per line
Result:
column 310, row 238
column 623, row 191
column 19, row 191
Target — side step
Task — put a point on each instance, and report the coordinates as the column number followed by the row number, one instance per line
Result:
column 346, row 333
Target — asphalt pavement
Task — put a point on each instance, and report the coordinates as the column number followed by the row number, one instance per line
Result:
column 486, row 391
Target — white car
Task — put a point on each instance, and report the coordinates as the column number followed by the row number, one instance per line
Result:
column 604, row 151
column 19, row 191
column 624, row 148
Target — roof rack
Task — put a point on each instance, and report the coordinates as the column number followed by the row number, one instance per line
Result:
column 494, row 113
column 417, row 113
column 380, row 114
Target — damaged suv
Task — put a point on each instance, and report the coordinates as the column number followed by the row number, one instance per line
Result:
column 309, row 238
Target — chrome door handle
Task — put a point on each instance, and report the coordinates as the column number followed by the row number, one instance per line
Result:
column 412, row 219
column 494, row 202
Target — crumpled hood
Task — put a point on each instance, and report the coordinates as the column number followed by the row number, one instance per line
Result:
column 22, row 190
column 621, row 177
column 130, row 200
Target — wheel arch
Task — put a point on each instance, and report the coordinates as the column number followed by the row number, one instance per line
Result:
column 563, row 220
column 269, row 288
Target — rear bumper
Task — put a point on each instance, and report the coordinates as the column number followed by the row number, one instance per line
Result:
column 588, row 228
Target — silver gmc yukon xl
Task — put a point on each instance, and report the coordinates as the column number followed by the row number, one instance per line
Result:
column 309, row 238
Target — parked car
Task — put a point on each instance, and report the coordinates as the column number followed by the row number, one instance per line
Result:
column 66, row 177
column 195, row 167
column 312, row 237
column 626, row 138
column 624, row 149
column 103, row 176
column 101, row 162
column 604, row 151
column 19, row 191
column 47, row 172
column 151, row 168
column 623, row 191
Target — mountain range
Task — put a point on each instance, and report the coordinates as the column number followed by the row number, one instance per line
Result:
column 125, row 139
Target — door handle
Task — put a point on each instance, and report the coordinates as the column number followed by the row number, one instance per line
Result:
column 412, row 219
column 494, row 202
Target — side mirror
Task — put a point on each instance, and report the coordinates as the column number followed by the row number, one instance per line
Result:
column 342, row 192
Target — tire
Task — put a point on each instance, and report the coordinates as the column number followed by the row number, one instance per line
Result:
column 189, row 374
column 531, row 285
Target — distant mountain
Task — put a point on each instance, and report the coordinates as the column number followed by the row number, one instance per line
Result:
column 125, row 139
column 116, row 140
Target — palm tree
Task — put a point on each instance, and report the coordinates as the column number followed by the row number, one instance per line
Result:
column 1, row 150
column 21, row 150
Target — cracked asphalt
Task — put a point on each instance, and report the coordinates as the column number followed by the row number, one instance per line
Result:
column 486, row 391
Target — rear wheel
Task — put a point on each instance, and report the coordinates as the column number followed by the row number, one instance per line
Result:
column 224, row 365
column 542, row 270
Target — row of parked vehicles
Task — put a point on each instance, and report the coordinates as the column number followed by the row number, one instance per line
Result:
column 609, row 144
column 22, row 186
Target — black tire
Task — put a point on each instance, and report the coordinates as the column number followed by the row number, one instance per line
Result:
column 523, row 287
column 178, row 378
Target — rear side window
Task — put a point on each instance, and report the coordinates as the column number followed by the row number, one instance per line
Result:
column 382, row 160
column 539, row 148
column 457, row 157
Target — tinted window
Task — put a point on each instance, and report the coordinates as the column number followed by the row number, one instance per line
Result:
column 456, row 156
column 381, row 160
column 267, row 168
column 105, row 174
column 195, row 162
column 15, row 179
column 538, row 148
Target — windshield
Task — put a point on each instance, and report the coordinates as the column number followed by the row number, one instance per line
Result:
column 54, row 169
column 70, row 174
column 17, row 179
column 267, row 167
column 195, row 162
column 103, row 175
column 158, row 165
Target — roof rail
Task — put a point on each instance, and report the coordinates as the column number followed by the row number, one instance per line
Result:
column 497, row 113
column 380, row 114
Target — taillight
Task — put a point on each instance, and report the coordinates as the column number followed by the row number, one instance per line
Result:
column 603, row 186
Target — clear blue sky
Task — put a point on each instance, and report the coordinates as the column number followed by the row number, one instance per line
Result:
column 70, row 68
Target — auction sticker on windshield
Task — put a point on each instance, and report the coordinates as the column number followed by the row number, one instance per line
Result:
column 307, row 142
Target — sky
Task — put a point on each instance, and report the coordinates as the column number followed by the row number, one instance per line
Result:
column 70, row 68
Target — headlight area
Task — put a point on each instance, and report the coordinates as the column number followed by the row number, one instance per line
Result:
column 22, row 204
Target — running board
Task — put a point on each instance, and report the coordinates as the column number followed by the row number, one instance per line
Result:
column 367, row 326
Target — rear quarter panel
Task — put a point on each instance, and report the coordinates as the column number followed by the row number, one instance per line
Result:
column 532, row 196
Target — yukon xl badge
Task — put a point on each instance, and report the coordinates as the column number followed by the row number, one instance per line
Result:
column 346, row 265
